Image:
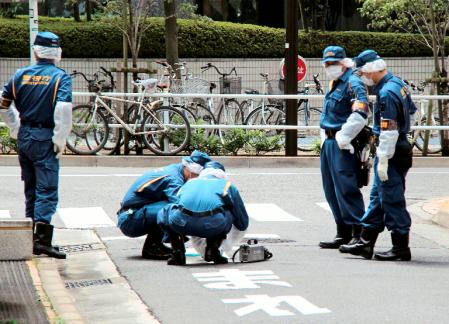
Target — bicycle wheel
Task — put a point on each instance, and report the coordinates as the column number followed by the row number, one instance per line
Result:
column 434, row 145
column 308, row 138
column 170, row 131
column 89, row 131
column 230, row 113
column 268, row 115
column 201, row 115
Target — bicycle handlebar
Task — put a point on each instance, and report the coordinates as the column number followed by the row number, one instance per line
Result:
column 223, row 74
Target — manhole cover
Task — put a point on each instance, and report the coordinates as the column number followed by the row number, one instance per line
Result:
column 87, row 283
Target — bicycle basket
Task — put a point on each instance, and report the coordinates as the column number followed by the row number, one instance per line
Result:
column 230, row 85
column 275, row 87
column 194, row 85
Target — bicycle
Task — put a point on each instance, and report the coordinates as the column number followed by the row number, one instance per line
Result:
column 274, row 112
column 434, row 145
column 164, row 130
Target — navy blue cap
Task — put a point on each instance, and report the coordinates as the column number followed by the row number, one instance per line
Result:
column 198, row 157
column 366, row 57
column 333, row 53
column 214, row 165
column 47, row 39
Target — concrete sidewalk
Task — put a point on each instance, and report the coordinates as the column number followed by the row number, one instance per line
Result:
column 230, row 161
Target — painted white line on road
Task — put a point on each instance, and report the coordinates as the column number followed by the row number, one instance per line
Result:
column 262, row 236
column 325, row 206
column 5, row 214
column 271, row 305
column 269, row 213
column 87, row 217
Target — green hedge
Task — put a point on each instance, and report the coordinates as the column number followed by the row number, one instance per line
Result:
column 201, row 39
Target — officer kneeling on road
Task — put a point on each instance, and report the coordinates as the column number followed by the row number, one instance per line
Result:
column 393, row 112
column 344, row 115
column 208, row 207
column 149, row 194
column 41, row 123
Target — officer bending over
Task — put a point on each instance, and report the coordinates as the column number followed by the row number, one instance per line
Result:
column 42, row 94
column 150, row 193
column 344, row 115
column 393, row 113
column 208, row 207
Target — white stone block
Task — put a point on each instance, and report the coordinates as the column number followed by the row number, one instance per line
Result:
column 16, row 239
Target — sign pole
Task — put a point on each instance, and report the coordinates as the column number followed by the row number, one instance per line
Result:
column 34, row 26
column 291, row 81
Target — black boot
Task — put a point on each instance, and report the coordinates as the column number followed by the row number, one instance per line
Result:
column 344, row 234
column 178, row 256
column 356, row 230
column 43, row 235
column 400, row 250
column 212, row 250
column 364, row 246
column 153, row 248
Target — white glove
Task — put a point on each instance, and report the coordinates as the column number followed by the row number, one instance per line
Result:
column 382, row 169
column 387, row 143
column 12, row 120
column 63, row 126
column 354, row 124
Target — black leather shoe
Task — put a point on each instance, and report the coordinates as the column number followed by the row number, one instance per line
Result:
column 212, row 250
column 177, row 258
column 364, row 246
column 178, row 255
column 344, row 234
column 400, row 250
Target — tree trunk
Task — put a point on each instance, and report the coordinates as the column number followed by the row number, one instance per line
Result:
column 171, row 33
column 207, row 9
column 89, row 6
column 302, row 15
column 225, row 9
column 76, row 11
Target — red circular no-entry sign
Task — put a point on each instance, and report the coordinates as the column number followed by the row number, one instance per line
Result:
column 301, row 72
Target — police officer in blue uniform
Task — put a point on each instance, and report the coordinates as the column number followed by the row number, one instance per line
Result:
column 37, row 107
column 344, row 115
column 208, row 207
column 149, row 194
column 393, row 112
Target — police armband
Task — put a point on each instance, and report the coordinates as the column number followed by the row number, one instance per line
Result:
column 388, row 124
column 360, row 107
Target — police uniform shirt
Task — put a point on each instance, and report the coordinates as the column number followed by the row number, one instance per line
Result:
column 209, row 193
column 35, row 90
column 338, row 100
column 393, row 102
column 155, row 185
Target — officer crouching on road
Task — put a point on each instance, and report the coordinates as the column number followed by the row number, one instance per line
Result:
column 41, row 123
column 149, row 194
column 208, row 207
column 344, row 115
column 393, row 112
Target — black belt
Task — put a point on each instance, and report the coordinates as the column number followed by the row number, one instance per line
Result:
column 36, row 125
column 330, row 133
column 202, row 214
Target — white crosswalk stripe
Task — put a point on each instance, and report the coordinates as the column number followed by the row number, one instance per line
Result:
column 87, row 217
column 325, row 206
column 269, row 213
column 4, row 213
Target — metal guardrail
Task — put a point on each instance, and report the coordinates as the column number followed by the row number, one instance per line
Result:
column 252, row 96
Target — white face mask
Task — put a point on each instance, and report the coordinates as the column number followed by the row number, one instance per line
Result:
column 369, row 82
column 334, row 71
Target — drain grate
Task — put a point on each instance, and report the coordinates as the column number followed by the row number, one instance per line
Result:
column 269, row 240
column 88, row 283
column 78, row 248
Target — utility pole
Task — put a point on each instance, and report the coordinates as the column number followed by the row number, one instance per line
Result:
column 291, row 80
column 34, row 26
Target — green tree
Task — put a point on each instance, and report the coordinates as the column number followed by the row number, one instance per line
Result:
column 429, row 18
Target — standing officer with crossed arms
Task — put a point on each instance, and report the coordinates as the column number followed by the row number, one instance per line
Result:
column 344, row 115
column 42, row 121
column 393, row 113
